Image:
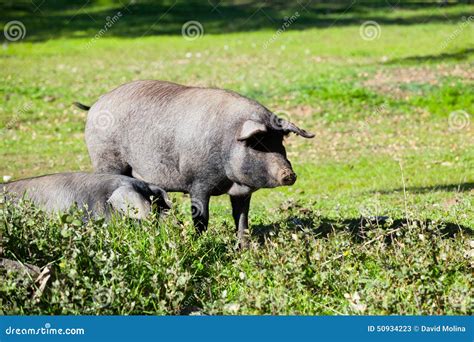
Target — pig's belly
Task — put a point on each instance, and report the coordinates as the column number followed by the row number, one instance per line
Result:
column 164, row 175
column 159, row 169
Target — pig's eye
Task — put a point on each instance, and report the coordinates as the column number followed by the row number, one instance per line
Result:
column 257, row 142
column 265, row 142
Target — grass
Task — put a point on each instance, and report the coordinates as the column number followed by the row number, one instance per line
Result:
column 387, row 144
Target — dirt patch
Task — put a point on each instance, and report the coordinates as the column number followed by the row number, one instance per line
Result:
column 391, row 81
column 334, row 60
column 304, row 111
column 378, row 135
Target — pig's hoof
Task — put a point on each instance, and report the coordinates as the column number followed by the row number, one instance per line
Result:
column 242, row 244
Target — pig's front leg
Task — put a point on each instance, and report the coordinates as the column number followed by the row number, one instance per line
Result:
column 200, row 211
column 240, row 212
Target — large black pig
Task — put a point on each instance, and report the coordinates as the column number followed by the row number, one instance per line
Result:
column 201, row 141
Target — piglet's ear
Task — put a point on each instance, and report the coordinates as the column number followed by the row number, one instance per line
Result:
column 126, row 200
column 251, row 128
column 161, row 197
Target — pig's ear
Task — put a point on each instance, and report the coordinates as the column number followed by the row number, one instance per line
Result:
column 160, row 196
column 288, row 127
column 250, row 128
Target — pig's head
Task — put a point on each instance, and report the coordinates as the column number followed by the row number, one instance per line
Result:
column 258, row 157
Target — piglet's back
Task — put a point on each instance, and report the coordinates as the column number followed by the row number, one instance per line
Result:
column 58, row 192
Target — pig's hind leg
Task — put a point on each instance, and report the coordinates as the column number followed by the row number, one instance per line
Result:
column 108, row 160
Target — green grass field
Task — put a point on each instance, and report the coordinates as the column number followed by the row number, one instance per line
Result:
column 394, row 138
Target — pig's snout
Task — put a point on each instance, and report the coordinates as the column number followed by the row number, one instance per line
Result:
column 286, row 177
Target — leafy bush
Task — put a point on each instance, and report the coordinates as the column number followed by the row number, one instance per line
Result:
column 301, row 265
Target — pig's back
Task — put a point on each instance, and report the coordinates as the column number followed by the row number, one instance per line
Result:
column 158, row 131
column 151, row 100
